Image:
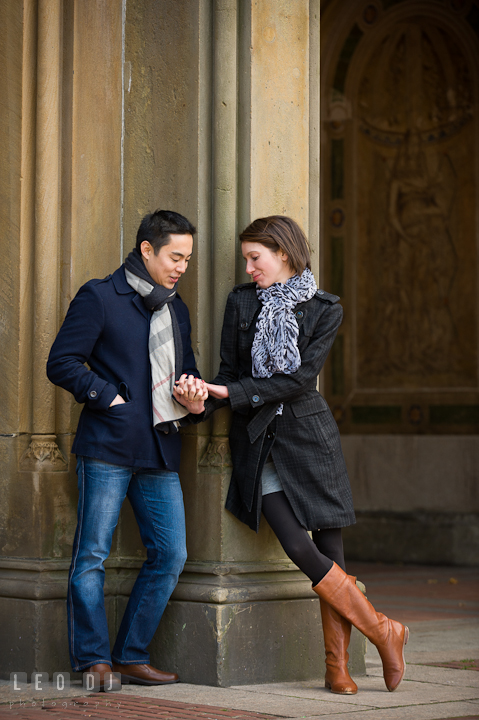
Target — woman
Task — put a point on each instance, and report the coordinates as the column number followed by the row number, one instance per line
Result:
column 285, row 445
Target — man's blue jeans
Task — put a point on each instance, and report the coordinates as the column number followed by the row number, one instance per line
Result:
column 157, row 502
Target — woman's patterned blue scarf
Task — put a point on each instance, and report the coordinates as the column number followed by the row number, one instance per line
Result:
column 275, row 344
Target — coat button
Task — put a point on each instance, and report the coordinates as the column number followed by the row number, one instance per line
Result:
column 244, row 325
column 255, row 398
column 93, row 393
column 321, row 292
column 270, row 435
column 299, row 314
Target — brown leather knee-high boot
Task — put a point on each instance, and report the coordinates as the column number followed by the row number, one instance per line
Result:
column 387, row 635
column 337, row 632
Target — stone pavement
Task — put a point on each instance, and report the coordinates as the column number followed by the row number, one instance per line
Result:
column 441, row 607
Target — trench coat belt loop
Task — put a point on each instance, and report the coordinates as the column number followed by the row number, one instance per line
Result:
column 261, row 421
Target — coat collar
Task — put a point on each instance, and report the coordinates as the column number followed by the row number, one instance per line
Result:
column 119, row 281
column 249, row 308
column 122, row 288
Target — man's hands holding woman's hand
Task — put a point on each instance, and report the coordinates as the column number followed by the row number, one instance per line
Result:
column 191, row 392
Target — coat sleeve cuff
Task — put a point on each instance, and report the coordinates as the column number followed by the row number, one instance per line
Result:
column 101, row 394
column 243, row 394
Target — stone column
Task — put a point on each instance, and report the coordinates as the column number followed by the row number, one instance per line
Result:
column 33, row 464
column 43, row 453
column 242, row 613
column 57, row 123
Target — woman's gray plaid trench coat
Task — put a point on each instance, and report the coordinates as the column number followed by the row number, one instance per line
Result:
column 304, row 441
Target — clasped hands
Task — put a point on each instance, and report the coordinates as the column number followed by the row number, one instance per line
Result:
column 192, row 392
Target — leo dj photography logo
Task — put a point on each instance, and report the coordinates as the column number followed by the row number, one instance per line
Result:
column 40, row 681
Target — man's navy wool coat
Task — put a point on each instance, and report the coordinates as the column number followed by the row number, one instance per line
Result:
column 108, row 327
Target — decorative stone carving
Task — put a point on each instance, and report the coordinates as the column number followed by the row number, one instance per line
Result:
column 415, row 109
column 43, row 454
column 399, row 208
column 217, row 454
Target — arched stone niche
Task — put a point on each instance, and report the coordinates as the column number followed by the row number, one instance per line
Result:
column 400, row 144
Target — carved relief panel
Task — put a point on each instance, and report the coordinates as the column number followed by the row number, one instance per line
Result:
column 400, row 136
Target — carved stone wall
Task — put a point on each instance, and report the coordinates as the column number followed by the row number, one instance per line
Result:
column 416, row 146
column 400, row 215
column 400, row 185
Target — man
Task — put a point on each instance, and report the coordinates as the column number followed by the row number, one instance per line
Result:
column 133, row 330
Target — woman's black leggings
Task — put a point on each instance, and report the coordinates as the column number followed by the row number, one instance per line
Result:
column 314, row 557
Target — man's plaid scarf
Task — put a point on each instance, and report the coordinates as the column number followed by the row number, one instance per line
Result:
column 164, row 345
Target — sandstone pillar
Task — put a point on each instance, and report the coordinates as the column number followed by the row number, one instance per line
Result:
column 241, row 612
column 60, row 229
column 34, row 465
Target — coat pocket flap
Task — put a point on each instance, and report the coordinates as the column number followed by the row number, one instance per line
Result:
column 309, row 406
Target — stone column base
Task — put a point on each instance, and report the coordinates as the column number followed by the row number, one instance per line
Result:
column 232, row 624
column 33, row 612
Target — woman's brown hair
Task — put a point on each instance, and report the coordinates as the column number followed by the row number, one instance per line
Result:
column 278, row 232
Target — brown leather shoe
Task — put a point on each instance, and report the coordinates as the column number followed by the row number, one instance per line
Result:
column 389, row 636
column 144, row 675
column 104, row 681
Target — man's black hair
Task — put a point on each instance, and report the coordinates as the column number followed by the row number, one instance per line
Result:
column 158, row 226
